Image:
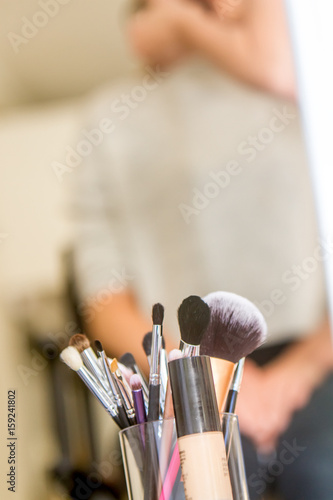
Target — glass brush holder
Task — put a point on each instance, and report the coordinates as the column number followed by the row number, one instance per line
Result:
column 152, row 464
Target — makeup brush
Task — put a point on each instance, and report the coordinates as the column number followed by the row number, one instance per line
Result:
column 124, row 393
column 164, row 375
column 71, row 357
column 230, row 404
column 90, row 360
column 154, row 374
column 113, row 387
column 125, row 371
column 235, row 329
column 128, row 360
column 193, row 319
column 137, row 395
column 168, row 475
column 146, row 344
column 114, row 366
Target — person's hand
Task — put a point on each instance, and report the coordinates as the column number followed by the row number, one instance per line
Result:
column 268, row 399
column 253, row 408
column 155, row 32
column 270, row 395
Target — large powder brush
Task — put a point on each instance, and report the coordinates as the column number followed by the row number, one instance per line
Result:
column 236, row 328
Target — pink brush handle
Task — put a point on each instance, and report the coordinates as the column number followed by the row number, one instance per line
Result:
column 171, row 475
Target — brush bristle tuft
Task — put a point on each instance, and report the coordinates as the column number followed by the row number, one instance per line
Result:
column 158, row 314
column 236, row 327
column 72, row 358
column 114, row 365
column 135, row 383
column 80, row 342
column 98, row 346
column 127, row 359
column 146, row 343
column 193, row 319
column 175, row 354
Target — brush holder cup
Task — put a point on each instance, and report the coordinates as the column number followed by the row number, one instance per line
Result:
column 152, row 465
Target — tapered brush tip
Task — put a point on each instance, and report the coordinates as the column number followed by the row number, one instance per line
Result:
column 98, row 346
column 236, row 327
column 80, row 342
column 193, row 319
column 146, row 343
column 114, row 365
column 72, row 358
column 127, row 359
column 158, row 314
column 135, row 382
column 174, row 354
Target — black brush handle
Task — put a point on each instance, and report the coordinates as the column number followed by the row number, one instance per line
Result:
column 230, row 404
column 154, row 402
column 151, row 465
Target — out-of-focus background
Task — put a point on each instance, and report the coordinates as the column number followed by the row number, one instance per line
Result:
column 53, row 53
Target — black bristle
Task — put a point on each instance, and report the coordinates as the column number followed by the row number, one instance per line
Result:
column 146, row 343
column 127, row 359
column 158, row 314
column 193, row 319
column 98, row 346
column 236, row 327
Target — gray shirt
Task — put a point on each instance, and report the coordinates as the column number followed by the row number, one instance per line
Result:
column 200, row 184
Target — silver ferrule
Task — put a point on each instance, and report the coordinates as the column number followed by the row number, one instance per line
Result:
column 97, row 390
column 115, row 394
column 154, row 379
column 90, row 361
column 123, row 380
column 238, row 375
column 144, row 384
column 189, row 350
column 164, row 374
column 126, row 398
column 156, row 345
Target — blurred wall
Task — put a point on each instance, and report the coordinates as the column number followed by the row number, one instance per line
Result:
column 59, row 48
column 52, row 54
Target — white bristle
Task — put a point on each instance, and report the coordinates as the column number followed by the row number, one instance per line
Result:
column 72, row 358
column 174, row 354
column 126, row 372
column 135, row 382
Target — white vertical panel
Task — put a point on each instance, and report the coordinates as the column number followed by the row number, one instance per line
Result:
column 311, row 25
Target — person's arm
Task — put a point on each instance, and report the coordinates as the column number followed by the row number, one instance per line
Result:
column 252, row 45
column 103, row 277
column 120, row 325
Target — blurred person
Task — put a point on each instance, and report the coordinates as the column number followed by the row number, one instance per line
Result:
column 201, row 184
